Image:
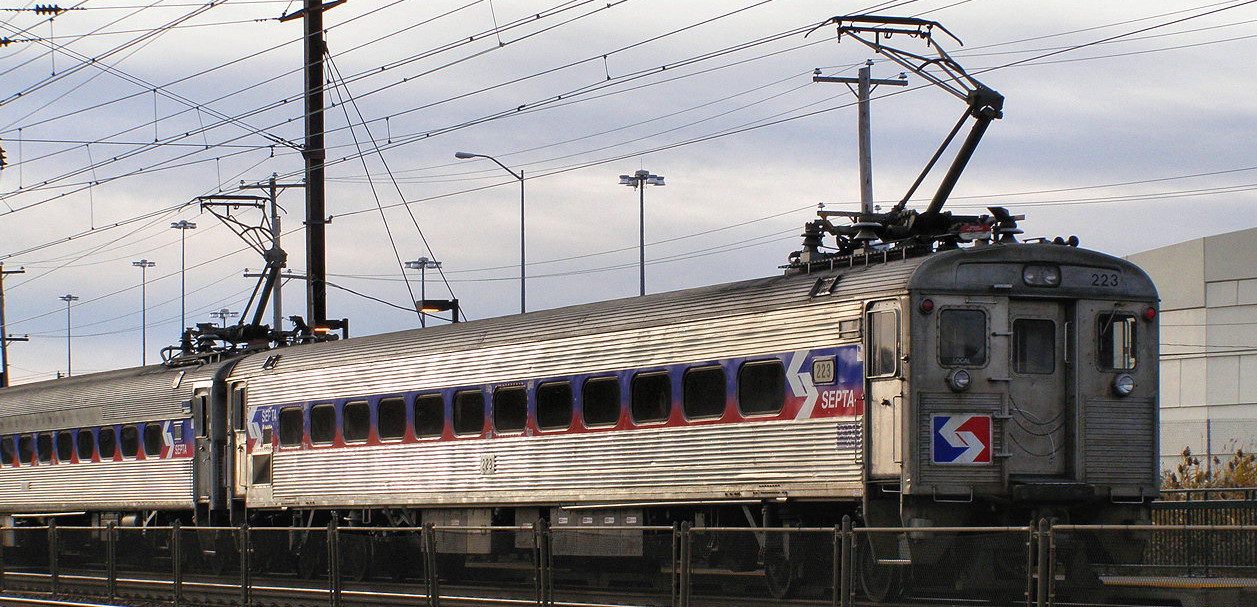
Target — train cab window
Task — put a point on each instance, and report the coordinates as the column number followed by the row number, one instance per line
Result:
column 554, row 406
column 650, row 397
column 390, row 418
column 1116, row 332
column 510, row 409
column 600, row 401
column 85, row 444
column 25, row 448
column 703, row 393
column 356, row 424
column 883, row 336
column 322, row 423
column 761, row 387
column 429, row 415
column 1034, row 345
column 962, row 338
column 152, row 439
column 7, row 451
column 107, row 440
column 469, row 412
column 291, row 427
column 43, row 447
column 65, row 446
column 129, row 441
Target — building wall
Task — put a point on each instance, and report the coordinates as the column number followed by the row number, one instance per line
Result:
column 1208, row 290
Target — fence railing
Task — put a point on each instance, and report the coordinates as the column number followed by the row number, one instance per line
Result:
column 666, row 566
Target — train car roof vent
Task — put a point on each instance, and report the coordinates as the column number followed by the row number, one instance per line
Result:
column 271, row 362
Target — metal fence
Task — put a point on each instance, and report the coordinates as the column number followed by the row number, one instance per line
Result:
column 671, row 566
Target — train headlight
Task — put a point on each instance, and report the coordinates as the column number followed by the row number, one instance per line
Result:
column 1041, row 275
column 1123, row 384
column 959, row 380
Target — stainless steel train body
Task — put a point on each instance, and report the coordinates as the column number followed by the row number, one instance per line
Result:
column 972, row 386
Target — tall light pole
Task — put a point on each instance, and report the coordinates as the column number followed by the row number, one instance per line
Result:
column 520, row 177
column 423, row 264
column 183, row 226
column 143, row 265
column 69, row 359
column 639, row 181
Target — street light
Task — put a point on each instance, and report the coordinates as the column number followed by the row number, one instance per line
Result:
column 639, row 181
column 183, row 226
column 224, row 314
column 143, row 265
column 520, row 177
column 69, row 359
column 423, row 264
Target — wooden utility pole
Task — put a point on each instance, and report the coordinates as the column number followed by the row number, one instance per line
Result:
column 864, row 87
column 4, row 330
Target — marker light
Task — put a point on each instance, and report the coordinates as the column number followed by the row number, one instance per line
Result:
column 1123, row 384
column 927, row 306
column 959, row 380
column 1150, row 313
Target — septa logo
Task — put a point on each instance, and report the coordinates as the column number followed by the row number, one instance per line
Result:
column 962, row 439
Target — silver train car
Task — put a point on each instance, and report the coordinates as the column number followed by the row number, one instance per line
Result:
column 976, row 386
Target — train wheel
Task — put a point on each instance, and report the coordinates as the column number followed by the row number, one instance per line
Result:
column 356, row 557
column 781, row 572
column 880, row 583
column 311, row 561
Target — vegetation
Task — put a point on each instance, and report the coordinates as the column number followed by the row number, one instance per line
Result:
column 1237, row 470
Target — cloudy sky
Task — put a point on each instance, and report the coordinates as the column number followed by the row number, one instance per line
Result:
column 1126, row 123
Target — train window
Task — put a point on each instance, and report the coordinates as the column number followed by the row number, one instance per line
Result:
column 25, row 448
column 600, row 398
column 962, row 338
column 510, row 409
column 43, row 447
column 7, row 451
column 291, row 427
column 429, row 415
column 883, row 343
column 703, row 393
column 108, row 443
column 390, row 418
column 152, row 439
column 85, row 445
column 554, row 406
column 129, row 441
column 650, row 397
column 469, row 412
column 1117, row 341
column 1034, row 345
column 65, row 446
column 356, row 424
column 761, row 387
column 322, row 423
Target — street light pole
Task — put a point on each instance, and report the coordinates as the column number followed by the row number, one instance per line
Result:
column 520, row 177
column 143, row 265
column 183, row 226
column 69, row 359
column 422, row 264
column 639, row 180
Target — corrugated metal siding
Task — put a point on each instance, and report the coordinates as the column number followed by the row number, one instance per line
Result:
column 161, row 483
column 138, row 394
column 957, row 475
column 1119, row 442
column 697, row 462
column 740, row 319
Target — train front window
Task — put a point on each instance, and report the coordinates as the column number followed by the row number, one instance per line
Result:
column 1034, row 345
column 1116, row 332
column 962, row 338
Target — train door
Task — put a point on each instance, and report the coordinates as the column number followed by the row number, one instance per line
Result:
column 239, row 439
column 884, row 396
column 1040, row 426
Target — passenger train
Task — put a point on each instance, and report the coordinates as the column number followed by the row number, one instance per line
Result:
column 986, row 384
